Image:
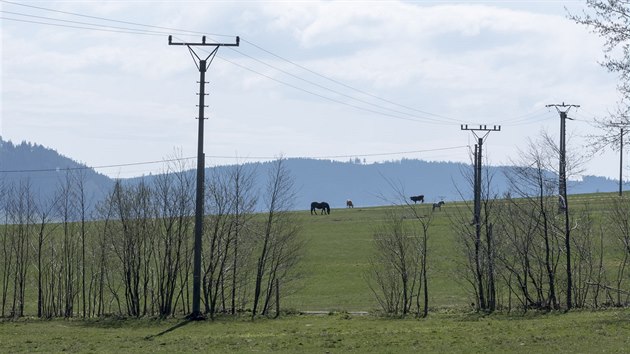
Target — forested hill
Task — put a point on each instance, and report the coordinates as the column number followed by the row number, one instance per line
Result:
column 44, row 169
column 315, row 180
column 377, row 183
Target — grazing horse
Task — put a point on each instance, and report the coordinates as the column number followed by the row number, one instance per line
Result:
column 349, row 204
column 417, row 198
column 438, row 205
column 323, row 206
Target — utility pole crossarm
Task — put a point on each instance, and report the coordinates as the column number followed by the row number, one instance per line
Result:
column 482, row 127
column 204, row 43
column 563, row 108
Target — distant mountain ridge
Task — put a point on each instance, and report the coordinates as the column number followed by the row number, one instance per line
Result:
column 44, row 168
column 315, row 180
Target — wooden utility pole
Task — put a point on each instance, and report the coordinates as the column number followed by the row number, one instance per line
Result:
column 202, row 65
column 563, row 109
column 621, row 126
column 490, row 302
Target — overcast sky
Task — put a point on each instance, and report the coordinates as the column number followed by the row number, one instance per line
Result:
column 310, row 79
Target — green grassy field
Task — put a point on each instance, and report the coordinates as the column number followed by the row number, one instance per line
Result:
column 574, row 332
column 338, row 248
column 336, row 257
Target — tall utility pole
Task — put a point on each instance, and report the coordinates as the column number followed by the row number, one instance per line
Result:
column 621, row 125
column 491, row 300
column 621, row 162
column 202, row 65
column 563, row 109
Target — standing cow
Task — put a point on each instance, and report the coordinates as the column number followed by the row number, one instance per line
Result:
column 417, row 198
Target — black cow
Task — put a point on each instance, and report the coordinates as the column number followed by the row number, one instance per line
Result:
column 417, row 198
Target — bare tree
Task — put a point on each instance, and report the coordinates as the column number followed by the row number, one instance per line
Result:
column 244, row 199
column 618, row 224
column 134, row 244
column 610, row 19
column 172, row 196
column 217, row 233
column 278, row 249
column 531, row 181
column 397, row 270
column 82, row 201
column 69, row 244
column 46, row 208
column 21, row 219
column 7, row 250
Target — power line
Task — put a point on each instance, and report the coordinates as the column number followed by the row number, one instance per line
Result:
column 80, row 27
column 332, row 90
column 230, row 157
column 379, row 109
column 419, row 119
column 112, row 20
column 94, row 167
column 343, row 84
column 116, row 29
column 317, row 94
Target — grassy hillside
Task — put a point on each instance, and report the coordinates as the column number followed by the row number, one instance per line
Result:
column 336, row 258
column 575, row 332
column 340, row 244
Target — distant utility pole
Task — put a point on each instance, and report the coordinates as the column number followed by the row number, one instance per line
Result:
column 621, row 125
column 563, row 109
column 491, row 301
column 202, row 65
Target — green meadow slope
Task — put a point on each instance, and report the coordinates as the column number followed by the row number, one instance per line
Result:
column 335, row 259
column 338, row 247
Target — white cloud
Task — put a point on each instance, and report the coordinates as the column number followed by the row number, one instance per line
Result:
column 477, row 63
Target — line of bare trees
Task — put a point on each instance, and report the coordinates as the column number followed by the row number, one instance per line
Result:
column 522, row 263
column 135, row 258
column 397, row 272
column 521, row 260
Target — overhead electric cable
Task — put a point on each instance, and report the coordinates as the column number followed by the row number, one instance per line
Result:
column 332, row 90
column 517, row 120
column 80, row 27
column 230, row 157
column 112, row 20
column 345, row 85
column 94, row 167
column 119, row 29
column 189, row 32
column 321, row 96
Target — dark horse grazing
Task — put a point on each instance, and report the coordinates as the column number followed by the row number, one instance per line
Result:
column 349, row 204
column 417, row 198
column 323, row 206
column 438, row 205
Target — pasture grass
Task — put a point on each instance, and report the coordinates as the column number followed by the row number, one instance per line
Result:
column 574, row 332
column 335, row 260
column 338, row 247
